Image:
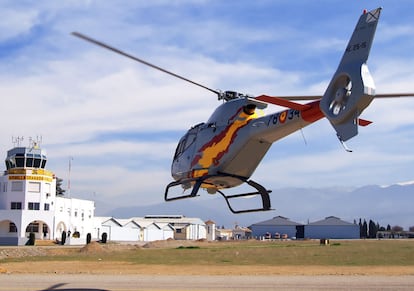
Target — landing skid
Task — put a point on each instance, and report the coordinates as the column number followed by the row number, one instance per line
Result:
column 264, row 194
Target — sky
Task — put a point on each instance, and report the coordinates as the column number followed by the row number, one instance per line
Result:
column 117, row 122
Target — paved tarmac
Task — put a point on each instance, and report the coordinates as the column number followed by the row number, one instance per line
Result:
column 80, row 282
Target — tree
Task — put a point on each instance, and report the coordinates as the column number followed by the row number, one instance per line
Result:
column 372, row 231
column 360, row 228
column 364, row 231
column 59, row 189
column 411, row 228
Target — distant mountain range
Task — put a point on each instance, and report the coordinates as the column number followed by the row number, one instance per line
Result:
column 392, row 205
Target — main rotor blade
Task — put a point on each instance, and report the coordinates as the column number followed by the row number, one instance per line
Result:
column 87, row 38
column 394, row 95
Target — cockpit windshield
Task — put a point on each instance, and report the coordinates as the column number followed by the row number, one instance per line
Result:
column 185, row 142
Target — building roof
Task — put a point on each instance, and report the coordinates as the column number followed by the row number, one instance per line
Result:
column 331, row 221
column 279, row 221
column 209, row 222
column 172, row 219
column 242, row 229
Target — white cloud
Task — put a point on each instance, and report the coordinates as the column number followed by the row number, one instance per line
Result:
column 17, row 22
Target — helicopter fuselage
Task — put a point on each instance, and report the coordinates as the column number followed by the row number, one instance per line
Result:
column 234, row 140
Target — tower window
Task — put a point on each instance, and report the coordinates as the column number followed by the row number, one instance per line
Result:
column 36, row 163
column 29, row 162
column 17, row 186
column 34, row 187
column 16, row 205
column 19, row 161
column 34, row 206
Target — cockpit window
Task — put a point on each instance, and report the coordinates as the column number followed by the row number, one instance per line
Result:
column 184, row 143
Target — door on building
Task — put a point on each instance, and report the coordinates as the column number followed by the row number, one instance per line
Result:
column 300, row 231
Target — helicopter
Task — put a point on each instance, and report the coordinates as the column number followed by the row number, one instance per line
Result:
column 224, row 151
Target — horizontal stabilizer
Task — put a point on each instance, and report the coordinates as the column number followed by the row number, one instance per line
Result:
column 364, row 122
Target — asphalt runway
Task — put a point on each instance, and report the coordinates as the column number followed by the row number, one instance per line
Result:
column 84, row 282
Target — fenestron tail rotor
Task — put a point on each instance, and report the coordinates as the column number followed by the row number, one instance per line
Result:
column 104, row 45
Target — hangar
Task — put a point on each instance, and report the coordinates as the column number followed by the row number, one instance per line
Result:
column 151, row 228
column 332, row 227
column 277, row 226
column 281, row 227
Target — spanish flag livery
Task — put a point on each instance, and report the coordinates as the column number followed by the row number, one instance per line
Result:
column 213, row 151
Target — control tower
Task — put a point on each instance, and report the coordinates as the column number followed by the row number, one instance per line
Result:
column 27, row 196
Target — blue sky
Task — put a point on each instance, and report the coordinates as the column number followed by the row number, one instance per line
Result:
column 119, row 121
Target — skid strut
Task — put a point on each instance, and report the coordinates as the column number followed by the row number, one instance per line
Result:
column 197, row 182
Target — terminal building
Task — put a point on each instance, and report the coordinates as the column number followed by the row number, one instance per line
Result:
column 29, row 205
column 28, row 202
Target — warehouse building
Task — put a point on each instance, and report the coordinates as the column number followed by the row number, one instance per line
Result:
column 281, row 227
column 277, row 227
column 332, row 228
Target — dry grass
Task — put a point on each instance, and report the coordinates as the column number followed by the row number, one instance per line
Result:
column 394, row 257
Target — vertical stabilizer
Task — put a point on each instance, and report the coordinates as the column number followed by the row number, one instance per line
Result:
column 352, row 88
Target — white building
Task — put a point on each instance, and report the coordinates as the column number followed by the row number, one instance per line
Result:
column 211, row 230
column 28, row 202
column 76, row 218
column 151, row 228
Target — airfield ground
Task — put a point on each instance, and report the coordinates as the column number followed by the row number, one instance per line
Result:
column 358, row 257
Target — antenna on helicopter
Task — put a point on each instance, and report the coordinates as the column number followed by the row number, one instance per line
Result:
column 219, row 93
